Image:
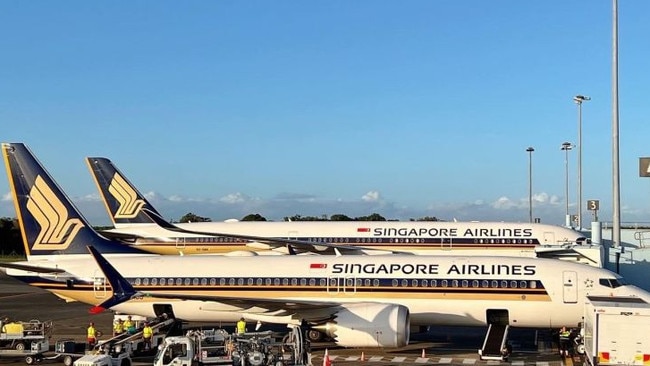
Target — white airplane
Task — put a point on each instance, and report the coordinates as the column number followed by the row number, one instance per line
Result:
column 133, row 217
column 360, row 301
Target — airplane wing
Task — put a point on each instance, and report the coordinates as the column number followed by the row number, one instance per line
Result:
column 298, row 245
column 30, row 268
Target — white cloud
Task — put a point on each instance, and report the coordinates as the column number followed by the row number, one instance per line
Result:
column 7, row 197
column 234, row 198
column 372, row 196
column 503, row 203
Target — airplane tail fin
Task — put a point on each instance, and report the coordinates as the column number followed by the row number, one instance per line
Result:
column 123, row 201
column 50, row 224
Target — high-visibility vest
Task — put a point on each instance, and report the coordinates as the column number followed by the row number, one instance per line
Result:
column 147, row 332
column 91, row 332
column 118, row 328
column 241, row 326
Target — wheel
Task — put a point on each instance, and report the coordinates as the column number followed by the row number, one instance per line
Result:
column 20, row 346
column 126, row 362
column 67, row 360
column 580, row 349
column 314, row 335
column 29, row 360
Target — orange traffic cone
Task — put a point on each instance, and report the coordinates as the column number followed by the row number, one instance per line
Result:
column 424, row 355
column 363, row 356
column 326, row 359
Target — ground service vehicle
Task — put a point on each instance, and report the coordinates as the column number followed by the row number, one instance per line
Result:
column 21, row 335
column 615, row 331
column 117, row 351
column 218, row 347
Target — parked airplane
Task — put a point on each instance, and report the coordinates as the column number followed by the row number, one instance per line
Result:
column 126, row 206
column 358, row 300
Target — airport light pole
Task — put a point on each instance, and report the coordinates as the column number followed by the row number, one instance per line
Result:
column 530, row 182
column 578, row 99
column 566, row 146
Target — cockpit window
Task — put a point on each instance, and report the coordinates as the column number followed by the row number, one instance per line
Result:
column 612, row 282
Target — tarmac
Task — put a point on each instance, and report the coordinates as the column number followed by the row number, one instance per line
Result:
column 441, row 346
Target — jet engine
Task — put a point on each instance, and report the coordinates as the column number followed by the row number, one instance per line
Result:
column 369, row 325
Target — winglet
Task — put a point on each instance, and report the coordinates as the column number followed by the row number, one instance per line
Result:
column 122, row 289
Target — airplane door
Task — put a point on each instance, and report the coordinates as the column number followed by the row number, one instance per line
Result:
column 180, row 243
column 99, row 286
column 549, row 238
column 570, row 286
column 337, row 285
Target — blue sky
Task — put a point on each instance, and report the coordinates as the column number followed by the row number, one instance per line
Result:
column 407, row 108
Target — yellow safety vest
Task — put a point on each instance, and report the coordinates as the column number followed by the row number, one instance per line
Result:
column 91, row 332
column 147, row 332
column 241, row 326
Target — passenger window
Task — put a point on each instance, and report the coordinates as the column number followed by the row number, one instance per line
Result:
column 443, row 283
column 195, row 281
column 454, row 283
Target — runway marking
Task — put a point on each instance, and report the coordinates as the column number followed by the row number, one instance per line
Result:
column 442, row 361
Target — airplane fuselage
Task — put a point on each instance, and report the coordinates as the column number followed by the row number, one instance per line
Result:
column 436, row 290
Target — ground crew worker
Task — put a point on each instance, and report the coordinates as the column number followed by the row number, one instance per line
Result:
column 129, row 326
column 565, row 338
column 91, row 335
column 241, row 326
column 118, row 328
column 147, row 334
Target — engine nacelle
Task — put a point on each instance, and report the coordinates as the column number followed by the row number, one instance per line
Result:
column 369, row 325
